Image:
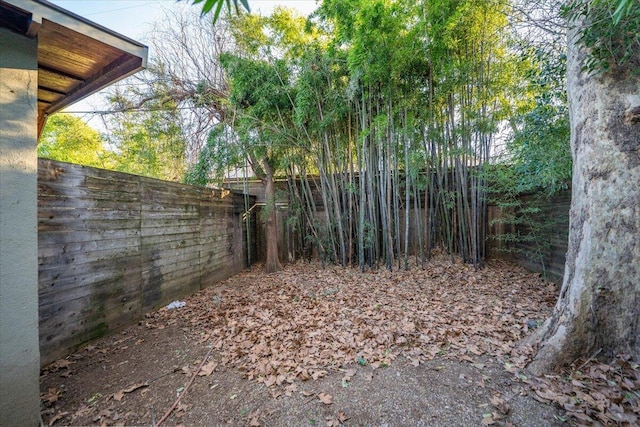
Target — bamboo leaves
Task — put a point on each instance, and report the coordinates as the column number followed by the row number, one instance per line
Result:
column 388, row 110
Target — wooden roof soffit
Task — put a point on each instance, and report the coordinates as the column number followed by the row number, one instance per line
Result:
column 76, row 57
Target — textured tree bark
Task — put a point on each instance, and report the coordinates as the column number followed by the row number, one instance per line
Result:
column 273, row 262
column 599, row 304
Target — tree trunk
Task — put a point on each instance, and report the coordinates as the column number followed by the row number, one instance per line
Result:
column 273, row 263
column 599, row 304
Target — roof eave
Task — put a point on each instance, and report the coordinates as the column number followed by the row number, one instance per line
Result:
column 42, row 9
column 127, row 56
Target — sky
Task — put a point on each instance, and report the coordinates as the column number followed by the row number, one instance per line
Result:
column 135, row 18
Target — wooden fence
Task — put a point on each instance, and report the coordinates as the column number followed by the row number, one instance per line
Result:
column 541, row 246
column 543, row 237
column 114, row 246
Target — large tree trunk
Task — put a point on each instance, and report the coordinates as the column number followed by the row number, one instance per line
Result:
column 599, row 304
column 273, row 262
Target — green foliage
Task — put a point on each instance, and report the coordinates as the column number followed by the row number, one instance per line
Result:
column 540, row 153
column 379, row 97
column 208, row 5
column 147, row 142
column 526, row 223
column 610, row 29
column 538, row 164
column 320, row 102
column 248, row 34
column 146, row 131
column 221, row 152
column 260, row 127
column 625, row 8
column 258, row 87
column 67, row 138
column 261, row 97
column 374, row 41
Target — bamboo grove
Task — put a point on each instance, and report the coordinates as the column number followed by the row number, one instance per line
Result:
column 390, row 111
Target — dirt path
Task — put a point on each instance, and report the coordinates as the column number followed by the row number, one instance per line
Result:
column 440, row 392
column 312, row 346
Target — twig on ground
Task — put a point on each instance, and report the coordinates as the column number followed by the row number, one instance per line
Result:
column 193, row 377
column 310, row 398
column 593, row 356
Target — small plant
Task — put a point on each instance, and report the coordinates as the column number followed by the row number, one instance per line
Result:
column 94, row 398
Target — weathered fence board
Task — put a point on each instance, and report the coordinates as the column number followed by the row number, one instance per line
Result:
column 77, row 257
column 545, row 249
column 113, row 246
column 550, row 260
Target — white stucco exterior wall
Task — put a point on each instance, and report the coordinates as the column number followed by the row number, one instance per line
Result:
column 19, row 349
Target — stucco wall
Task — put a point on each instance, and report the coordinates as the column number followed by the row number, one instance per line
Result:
column 19, row 353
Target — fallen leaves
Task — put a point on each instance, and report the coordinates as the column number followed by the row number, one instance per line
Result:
column 490, row 418
column 337, row 420
column 318, row 374
column 58, row 417
column 305, row 321
column 349, row 374
column 500, row 404
column 117, row 396
column 181, row 409
column 290, row 389
column 60, row 365
column 595, row 393
column 208, row 369
column 325, row 398
column 51, row 396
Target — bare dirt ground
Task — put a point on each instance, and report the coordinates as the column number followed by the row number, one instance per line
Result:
column 314, row 346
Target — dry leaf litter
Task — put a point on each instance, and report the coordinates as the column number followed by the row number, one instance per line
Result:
column 308, row 322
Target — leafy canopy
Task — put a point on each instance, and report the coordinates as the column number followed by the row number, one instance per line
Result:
column 208, row 5
column 147, row 142
column 69, row 139
column 610, row 30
